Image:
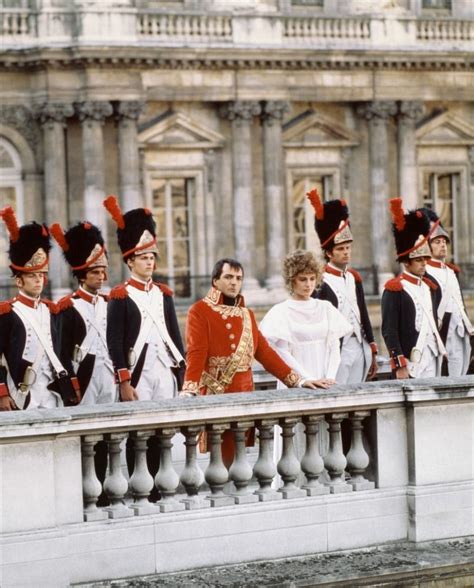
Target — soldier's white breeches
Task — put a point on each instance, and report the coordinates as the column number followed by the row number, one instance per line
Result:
column 459, row 354
column 352, row 367
column 102, row 388
column 41, row 397
column 156, row 382
column 430, row 365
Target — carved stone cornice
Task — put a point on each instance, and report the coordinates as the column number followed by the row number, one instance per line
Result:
column 274, row 111
column 378, row 110
column 21, row 119
column 240, row 111
column 409, row 110
column 130, row 110
column 49, row 113
column 93, row 111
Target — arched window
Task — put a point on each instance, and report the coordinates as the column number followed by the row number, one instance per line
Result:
column 11, row 194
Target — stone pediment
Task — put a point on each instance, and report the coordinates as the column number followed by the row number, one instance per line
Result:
column 445, row 129
column 175, row 130
column 311, row 129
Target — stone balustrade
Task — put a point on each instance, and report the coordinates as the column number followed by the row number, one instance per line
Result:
column 303, row 29
column 16, row 23
column 403, row 470
column 444, row 30
column 185, row 27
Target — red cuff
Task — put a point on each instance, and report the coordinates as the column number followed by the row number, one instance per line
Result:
column 398, row 361
column 3, row 391
column 374, row 347
column 123, row 375
column 75, row 384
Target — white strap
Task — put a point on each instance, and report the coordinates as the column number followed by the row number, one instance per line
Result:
column 44, row 342
column 446, row 294
column 95, row 330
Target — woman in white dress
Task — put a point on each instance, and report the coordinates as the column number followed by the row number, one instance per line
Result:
column 305, row 331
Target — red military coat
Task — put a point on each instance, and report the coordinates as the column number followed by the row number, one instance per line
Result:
column 222, row 342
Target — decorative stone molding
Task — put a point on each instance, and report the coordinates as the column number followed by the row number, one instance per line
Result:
column 130, row 110
column 53, row 112
column 240, row 111
column 96, row 111
column 378, row 110
column 21, row 119
column 274, row 110
column 410, row 110
column 471, row 162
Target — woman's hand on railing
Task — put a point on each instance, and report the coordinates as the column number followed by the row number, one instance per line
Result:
column 127, row 392
column 314, row 384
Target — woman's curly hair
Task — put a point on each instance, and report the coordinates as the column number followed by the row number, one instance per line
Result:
column 301, row 262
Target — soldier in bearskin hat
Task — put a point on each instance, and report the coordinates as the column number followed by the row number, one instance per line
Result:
column 455, row 327
column 342, row 286
column 410, row 301
column 83, row 314
column 32, row 375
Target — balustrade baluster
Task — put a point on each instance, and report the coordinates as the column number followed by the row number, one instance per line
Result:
column 115, row 484
column 264, row 469
column 312, row 463
column 289, row 466
column 141, row 481
column 358, row 458
column 192, row 476
column 167, row 480
column 216, row 474
column 240, row 471
column 91, row 487
column 335, row 461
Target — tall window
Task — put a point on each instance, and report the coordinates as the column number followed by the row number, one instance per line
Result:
column 440, row 192
column 11, row 193
column 304, row 236
column 436, row 4
column 172, row 201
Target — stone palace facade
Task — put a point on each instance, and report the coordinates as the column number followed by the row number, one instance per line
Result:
column 219, row 115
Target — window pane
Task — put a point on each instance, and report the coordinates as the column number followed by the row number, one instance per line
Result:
column 159, row 194
column 443, row 4
column 180, row 223
column 303, row 213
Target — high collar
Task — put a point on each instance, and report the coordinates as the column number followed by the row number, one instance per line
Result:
column 334, row 271
column 436, row 263
column 87, row 296
column 140, row 284
column 28, row 300
column 215, row 296
column 416, row 280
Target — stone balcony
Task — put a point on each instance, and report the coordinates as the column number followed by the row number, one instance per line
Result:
column 406, row 475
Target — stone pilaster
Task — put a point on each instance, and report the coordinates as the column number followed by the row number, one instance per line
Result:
column 272, row 116
column 128, row 113
column 377, row 114
column 92, row 115
column 52, row 118
column 241, row 114
column 408, row 112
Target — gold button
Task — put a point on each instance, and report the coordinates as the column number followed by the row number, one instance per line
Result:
column 232, row 336
column 232, row 346
column 228, row 326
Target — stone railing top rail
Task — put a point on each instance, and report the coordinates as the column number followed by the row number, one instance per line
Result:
column 231, row 407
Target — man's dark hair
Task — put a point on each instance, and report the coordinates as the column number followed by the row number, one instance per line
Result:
column 219, row 266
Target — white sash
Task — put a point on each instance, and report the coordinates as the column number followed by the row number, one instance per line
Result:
column 340, row 294
column 94, row 332
column 154, row 316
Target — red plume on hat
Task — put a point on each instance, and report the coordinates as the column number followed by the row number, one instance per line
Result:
column 57, row 232
column 316, row 203
column 113, row 207
column 398, row 214
column 9, row 218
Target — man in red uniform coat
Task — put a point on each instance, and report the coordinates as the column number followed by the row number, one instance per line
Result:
column 222, row 339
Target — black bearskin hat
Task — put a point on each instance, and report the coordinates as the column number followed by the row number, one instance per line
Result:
column 410, row 230
column 331, row 221
column 29, row 244
column 83, row 246
column 437, row 229
column 136, row 229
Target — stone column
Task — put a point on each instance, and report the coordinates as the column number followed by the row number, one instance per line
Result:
column 408, row 112
column 377, row 114
column 128, row 114
column 241, row 114
column 272, row 115
column 92, row 116
column 52, row 117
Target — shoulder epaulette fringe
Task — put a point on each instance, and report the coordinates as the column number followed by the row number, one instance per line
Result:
column 65, row 303
column 104, row 296
column 118, row 293
column 355, row 273
column 456, row 269
column 165, row 289
column 5, row 307
column 394, row 285
column 430, row 283
column 53, row 307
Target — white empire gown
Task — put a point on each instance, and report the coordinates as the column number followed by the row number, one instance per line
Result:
column 306, row 334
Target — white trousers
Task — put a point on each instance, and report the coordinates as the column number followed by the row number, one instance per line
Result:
column 430, row 366
column 156, row 382
column 352, row 367
column 459, row 354
column 102, row 388
column 40, row 396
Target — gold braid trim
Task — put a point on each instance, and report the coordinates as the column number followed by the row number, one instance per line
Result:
column 190, row 387
column 292, row 380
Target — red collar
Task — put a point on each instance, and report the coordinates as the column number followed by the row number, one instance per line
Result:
column 27, row 301
column 144, row 287
column 91, row 298
column 412, row 279
column 436, row 263
column 335, row 272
